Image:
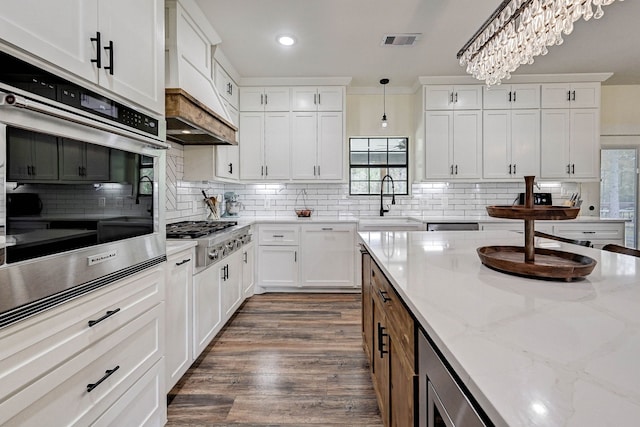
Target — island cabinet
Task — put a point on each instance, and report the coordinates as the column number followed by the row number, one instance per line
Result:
column 389, row 337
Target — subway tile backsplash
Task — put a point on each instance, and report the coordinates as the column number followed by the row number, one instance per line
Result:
column 185, row 201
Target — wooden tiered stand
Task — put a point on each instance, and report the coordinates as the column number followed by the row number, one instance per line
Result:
column 529, row 260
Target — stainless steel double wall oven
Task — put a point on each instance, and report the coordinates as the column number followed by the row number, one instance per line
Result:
column 83, row 181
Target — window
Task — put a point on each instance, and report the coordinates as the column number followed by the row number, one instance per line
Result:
column 370, row 159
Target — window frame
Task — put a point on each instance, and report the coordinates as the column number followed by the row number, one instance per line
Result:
column 387, row 165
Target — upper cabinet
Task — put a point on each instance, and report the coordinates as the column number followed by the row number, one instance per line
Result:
column 463, row 97
column 574, row 95
column 30, row 155
column 504, row 97
column 265, row 99
column 324, row 98
column 227, row 88
column 80, row 161
column 317, row 148
column 94, row 40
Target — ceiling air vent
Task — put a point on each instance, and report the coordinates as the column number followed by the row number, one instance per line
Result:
column 406, row 39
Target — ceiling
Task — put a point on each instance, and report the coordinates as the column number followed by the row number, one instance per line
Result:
column 342, row 38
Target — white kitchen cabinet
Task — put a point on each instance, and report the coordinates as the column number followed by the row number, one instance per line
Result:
column 264, row 146
column 443, row 97
column 207, row 313
column 80, row 161
column 326, row 253
column 317, row 146
column 570, row 142
column 278, row 266
column 248, row 269
column 227, row 88
column 453, row 144
column 324, row 98
column 517, row 226
column 505, row 97
column 599, row 233
column 230, row 274
column 511, row 147
column 571, row 95
column 210, row 163
column 179, row 315
column 265, row 99
column 127, row 60
column 30, row 156
column 48, row 360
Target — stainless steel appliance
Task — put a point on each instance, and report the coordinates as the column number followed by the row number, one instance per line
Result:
column 216, row 239
column 538, row 199
column 453, row 226
column 50, row 256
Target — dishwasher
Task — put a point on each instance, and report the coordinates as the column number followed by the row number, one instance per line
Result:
column 452, row 226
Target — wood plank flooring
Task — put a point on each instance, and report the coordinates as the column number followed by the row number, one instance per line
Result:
column 282, row 360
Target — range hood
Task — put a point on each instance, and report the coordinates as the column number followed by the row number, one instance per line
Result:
column 190, row 122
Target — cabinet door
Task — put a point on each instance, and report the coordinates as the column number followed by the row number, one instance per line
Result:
column 585, row 95
column 32, row 156
column 277, row 99
column 556, row 95
column 525, row 142
column 96, row 163
column 72, row 159
column 584, row 147
column 58, row 32
column 402, row 384
column 276, row 146
column 554, row 143
column 497, row 144
column 467, row 97
column 137, row 57
column 496, row 97
column 248, row 269
column 438, row 97
column 230, row 284
column 467, row 144
column 381, row 360
column 330, row 98
column 251, row 99
column 304, row 148
column 228, row 161
column 327, row 255
column 207, row 319
column 178, row 291
column 438, row 141
column 525, row 96
column 278, row 266
column 330, row 146
column 304, row 98
column 251, row 145
column 367, row 313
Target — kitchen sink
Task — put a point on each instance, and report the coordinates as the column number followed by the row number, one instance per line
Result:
column 390, row 224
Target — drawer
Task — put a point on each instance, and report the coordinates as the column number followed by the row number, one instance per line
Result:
column 33, row 347
column 599, row 231
column 400, row 321
column 63, row 394
column 278, row 235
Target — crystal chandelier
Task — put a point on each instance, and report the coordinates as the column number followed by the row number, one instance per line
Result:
column 520, row 30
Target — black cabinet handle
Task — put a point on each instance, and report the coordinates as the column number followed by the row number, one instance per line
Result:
column 261, row 99
column 573, row 168
column 184, row 261
column 456, row 169
column 107, row 374
column 246, row 256
column 381, row 343
column 230, row 168
column 569, row 168
column 295, row 256
column 569, row 96
column 456, row 97
column 514, row 169
column 261, row 170
column 278, row 235
column 266, row 171
column 106, row 316
column 573, row 95
column 451, row 170
column 452, row 97
column 98, row 59
column 509, row 169
column 327, row 228
column 514, row 96
column 384, row 294
column 509, row 96
column 110, row 49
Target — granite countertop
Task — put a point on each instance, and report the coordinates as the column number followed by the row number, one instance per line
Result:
column 531, row 352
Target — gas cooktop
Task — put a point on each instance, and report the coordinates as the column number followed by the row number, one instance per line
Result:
column 195, row 229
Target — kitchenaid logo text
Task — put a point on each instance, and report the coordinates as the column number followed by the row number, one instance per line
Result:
column 97, row 259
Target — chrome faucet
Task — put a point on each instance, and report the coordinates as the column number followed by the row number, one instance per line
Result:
column 393, row 194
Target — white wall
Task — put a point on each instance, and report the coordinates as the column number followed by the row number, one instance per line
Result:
column 620, row 110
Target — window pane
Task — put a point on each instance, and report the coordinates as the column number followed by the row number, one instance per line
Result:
column 397, row 144
column 377, row 158
column 376, row 174
column 359, row 144
column 378, row 144
column 359, row 187
column 359, row 158
column 359, row 174
column 375, row 187
column 398, row 174
column 401, row 187
column 398, row 158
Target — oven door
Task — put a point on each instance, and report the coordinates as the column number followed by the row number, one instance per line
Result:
column 91, row 229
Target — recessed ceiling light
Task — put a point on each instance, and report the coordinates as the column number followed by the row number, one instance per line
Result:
column 285, row 40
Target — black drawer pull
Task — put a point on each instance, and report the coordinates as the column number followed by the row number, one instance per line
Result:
column 184, row 261
column 108, row 314
column 381, row 343
column 278, row 235
column 383, row 294
column 107, row 374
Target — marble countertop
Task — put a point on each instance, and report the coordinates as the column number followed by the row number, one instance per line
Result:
column 177, row 245
column 531, row 352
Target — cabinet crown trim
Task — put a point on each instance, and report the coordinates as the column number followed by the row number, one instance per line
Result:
column 521, row 78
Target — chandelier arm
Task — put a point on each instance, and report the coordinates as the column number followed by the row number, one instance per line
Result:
column 488, row 22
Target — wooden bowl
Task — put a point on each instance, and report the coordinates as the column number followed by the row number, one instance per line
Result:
column 548, row 263
column 537, row 212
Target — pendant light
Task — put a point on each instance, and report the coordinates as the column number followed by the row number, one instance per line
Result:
column 384, row 122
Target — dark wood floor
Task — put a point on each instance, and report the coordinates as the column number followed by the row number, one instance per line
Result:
column 283, row 360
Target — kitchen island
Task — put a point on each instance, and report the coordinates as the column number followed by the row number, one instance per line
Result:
column 529, row 352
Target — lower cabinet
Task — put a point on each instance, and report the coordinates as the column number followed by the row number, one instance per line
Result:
column 248, row 269
column 392, row 347
column 231, row 283
column 81, row 362
column 207, row 312
column 309, row 256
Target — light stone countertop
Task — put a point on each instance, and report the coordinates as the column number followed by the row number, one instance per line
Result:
column 177, row 245
column 531, row 352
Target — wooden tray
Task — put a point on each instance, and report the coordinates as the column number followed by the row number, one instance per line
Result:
column 548, row 263
column 536, row 212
